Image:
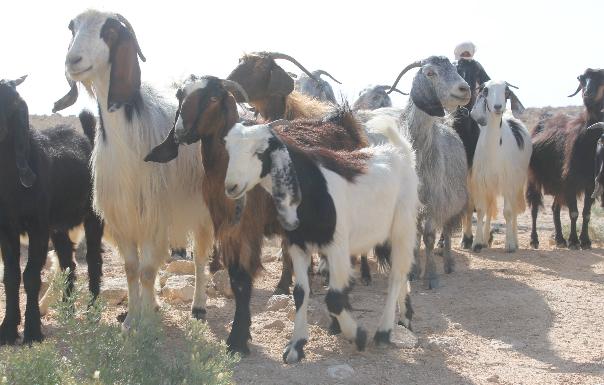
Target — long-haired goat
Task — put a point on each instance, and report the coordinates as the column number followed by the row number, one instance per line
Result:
column 207, row 113
column 45, row 191
column 501, row 161
column 563, row 162
column 339, row 203
column 374, row 97
column 318, row 89
column 146, row 206
column 441, row 159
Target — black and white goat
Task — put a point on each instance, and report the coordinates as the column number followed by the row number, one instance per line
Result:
column 339, row 203
column 145, row 206
column 45, row 191
column 501, row 160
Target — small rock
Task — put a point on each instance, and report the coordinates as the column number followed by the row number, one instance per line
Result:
column 223, row 283
column 552, row 242
column 443, row 344
column 278, row 302
column 498, row 242
column 403, row 338
column 493, row 378
column 507, row 343
column 417, row 318
column 456, row 326
column 44, row 287
column 543, row 253
column 162, row 278
column 179, row 286
column 340, row 372
column 277, row 324
column 115, row 290
column 316, row 313
column 181, row 267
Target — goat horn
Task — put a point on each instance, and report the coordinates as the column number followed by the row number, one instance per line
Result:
column 415, row 64
column 385, row 88
column 321, row 72
column 596, row 125
column 278, row 55
column 129, row 26
column 232, row 86
column 576, row 92
column 509, row 85
column 69, row 99
column 280, row 122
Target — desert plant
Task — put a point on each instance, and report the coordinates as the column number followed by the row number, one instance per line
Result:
column 87, row 350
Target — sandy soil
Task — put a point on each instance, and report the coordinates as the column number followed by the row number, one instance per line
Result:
column 532, row 317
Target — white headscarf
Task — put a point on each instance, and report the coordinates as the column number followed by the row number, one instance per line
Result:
column 463, row 47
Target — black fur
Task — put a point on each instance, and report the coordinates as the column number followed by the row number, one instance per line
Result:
column 337, row 301
column 298, row 296
column 241, row 285
column 58, row 200
column 382, row 338
column 361, row 340
column 334, row 327
column 199, row 313
column 517, row 133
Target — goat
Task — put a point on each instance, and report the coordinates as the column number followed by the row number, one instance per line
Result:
column 441, row 159
column 271, row 90
column 374, row 97
column 501, row 161
column 563, row 162
column 145, row 206
column 340, row 203
column 45, row 191
column 207, row 113
column 318, row 89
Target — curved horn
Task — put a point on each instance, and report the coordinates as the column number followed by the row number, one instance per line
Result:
column 129, row 26
column 415, row 64
column 233, row 87
column 509, row 85
column 69, row 99
column 278, row 55
column 596, row 125
column 321, row 72
column 576, row 92
column 280, row 122
column 386, row 88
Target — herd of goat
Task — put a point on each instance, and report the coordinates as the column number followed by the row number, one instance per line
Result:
column 325, row 177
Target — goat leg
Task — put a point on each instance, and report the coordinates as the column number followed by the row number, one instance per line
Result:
column 560, row 241
column 9, row 244
column 584, row 237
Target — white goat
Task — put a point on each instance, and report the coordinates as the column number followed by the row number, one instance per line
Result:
column 146, row 206
column 501, row 162
column 339, row 204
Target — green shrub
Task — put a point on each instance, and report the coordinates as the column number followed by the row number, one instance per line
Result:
column 87, row 350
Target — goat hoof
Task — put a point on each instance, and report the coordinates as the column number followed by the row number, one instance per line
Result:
column 431, row 280
column 367, row 281
column 381, row 339
column 33, row 335
column 449, row 265
column 294, row 352
column 510, row 249
column 561, row 243
column 477, row 248
column 122, row 317
column 466, row 242
column 573, row 246
column 199, row 313
column 585, row 245
column 334, row 327
column 490, row 239
column 534, row 244
column 242, row 349
column 8, row 335
column 360, row 342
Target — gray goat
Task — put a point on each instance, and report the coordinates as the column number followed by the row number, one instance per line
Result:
column 374, row 97
column 441, row 158
column 319, row 90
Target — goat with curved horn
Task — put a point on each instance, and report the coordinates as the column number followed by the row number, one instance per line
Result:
column 129, row 26
column 576, row 92
column 386, row 88
column 233, row 87
column 321, row 72
column 415, row 64
column 278, row 55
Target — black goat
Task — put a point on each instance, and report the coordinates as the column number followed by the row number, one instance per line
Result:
column 45, row 191
column 563, row 162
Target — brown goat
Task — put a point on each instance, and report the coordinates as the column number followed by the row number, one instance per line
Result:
column 563, row 162
column 207, row 112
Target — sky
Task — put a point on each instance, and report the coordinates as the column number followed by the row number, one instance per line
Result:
column 539, row 46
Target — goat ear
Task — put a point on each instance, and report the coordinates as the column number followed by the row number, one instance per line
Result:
column 517, row 107
column 281, row 83
column 482, row 76
column 479, row 111
column 125, row 76
column 69, row 99
column 165, row 151
column 424, row 96
column 286, row 191
column 20, row 122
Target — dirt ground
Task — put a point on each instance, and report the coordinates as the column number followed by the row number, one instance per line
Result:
column 531, row 317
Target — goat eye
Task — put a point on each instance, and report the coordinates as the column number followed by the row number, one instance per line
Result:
column 214, row 99
column 430, row 73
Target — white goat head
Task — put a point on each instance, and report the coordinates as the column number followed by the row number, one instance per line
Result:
column 436, row 86
column 254, row 153
column 492, row 97
column 102, row 45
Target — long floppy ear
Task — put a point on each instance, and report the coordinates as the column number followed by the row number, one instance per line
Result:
column 286, row 190
column 479, row 111
column 517, row 107
column 69, row 99
column 20, row 122
column 168, row 149
column 281, row 83
column 424, row 96
column 125, row 76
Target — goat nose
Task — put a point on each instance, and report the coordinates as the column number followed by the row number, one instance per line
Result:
column 71, row 60
column 497, row 107
column 464, row 88
column 231, row 190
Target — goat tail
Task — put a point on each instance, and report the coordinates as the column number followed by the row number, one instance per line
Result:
column 88, row 121
column 533, row 194
column 388, row 127
column 382, row 254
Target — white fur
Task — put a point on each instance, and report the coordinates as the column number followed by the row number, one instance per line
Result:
column 381, row 204
column 500, row 167
column 146, row 206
